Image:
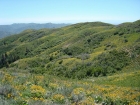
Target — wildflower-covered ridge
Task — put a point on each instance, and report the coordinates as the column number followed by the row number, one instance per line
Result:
column 30, row 89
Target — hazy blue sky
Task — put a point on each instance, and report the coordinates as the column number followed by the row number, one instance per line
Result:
column 68, row 11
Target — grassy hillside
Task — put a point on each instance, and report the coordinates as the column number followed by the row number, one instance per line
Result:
column 79, row 50
column 80, row 64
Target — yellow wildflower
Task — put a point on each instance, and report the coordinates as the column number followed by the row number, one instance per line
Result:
column 58, row 97
column 36, row 88
column 78, row 91
column 53, row 85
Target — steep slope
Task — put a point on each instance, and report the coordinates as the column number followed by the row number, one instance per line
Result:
column 77, row 51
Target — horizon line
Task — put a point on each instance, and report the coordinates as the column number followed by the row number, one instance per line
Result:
column 111, row 22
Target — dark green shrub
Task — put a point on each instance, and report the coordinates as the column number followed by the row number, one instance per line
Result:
column 74, row 50
column 125, row 40
column 97, row 71
column 111, row 62
column 115, row 33
column 121, row 33
column 37, row 70
column 61, row 61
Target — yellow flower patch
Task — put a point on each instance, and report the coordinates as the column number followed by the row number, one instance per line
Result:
column 78, row 91
column 53, row 85
column 7, row 78
column 58, row 98
column 37, row 89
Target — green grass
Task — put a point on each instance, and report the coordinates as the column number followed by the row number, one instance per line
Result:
column 127, row 79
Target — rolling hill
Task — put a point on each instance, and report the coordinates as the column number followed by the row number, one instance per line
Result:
column 90, row 63
column 6, row 30
column 75, row 51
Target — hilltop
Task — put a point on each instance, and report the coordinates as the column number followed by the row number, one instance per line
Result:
column 75, row 51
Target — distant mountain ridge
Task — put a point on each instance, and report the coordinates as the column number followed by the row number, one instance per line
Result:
column 6, row 30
